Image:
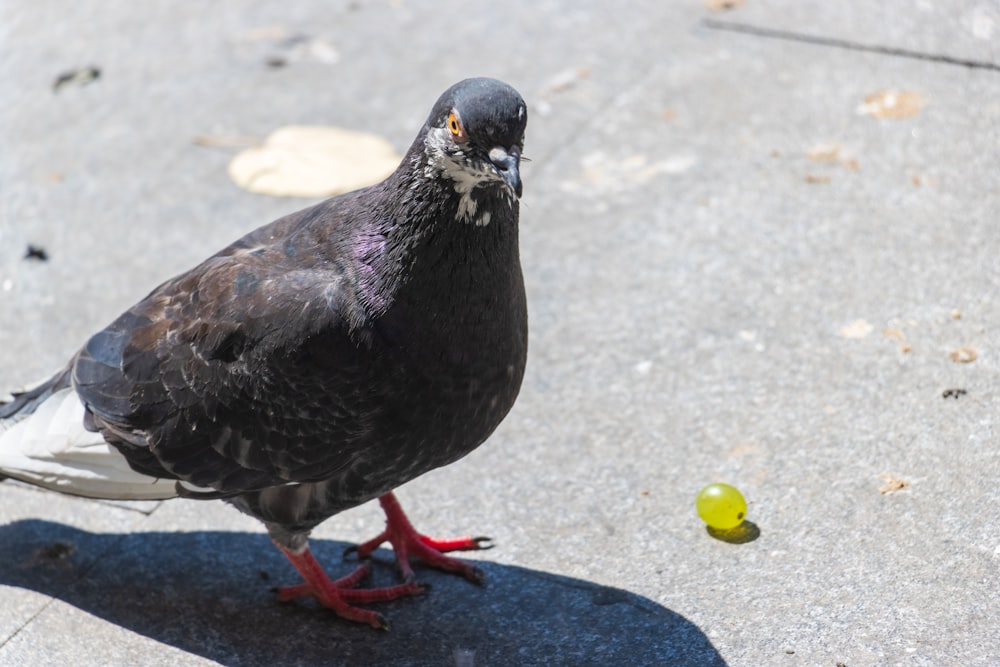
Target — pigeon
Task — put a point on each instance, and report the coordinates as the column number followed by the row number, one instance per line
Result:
column 318, row 362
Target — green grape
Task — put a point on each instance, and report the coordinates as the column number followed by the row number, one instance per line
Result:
column 721, row 506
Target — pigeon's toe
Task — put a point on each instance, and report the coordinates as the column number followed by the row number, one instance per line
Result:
column 340, row 595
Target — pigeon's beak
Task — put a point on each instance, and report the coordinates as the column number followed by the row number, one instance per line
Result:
column 507, row 164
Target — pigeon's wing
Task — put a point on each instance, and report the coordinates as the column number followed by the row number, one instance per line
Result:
column 202, row 380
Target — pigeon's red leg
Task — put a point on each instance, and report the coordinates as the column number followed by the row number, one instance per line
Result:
column 340, row 595
column 406, row 542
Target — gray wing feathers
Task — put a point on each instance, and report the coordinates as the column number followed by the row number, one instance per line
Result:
column 180, row 381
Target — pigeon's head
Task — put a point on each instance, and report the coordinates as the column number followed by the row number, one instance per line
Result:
column 475, row 134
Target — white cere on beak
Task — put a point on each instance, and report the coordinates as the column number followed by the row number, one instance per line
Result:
column 498, row 154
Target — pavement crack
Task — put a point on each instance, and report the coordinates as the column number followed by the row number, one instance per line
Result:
column 22, row 626
column 787, row 35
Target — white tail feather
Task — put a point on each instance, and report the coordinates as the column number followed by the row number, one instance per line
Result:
column 51, row 448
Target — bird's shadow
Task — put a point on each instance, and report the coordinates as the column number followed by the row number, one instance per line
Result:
column 209, row 593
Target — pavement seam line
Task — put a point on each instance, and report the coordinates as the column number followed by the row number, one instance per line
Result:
column 38, row 613
column 82, row 574
column 847, row 44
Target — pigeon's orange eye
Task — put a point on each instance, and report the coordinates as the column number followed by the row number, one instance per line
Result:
column 455, row 126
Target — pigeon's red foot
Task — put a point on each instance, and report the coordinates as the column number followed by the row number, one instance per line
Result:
column 407, row 542
column 340, row 595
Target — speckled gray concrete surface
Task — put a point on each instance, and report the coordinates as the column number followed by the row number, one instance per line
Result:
column 733, row 275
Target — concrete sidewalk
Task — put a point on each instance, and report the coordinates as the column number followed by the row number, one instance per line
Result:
column 753, row 248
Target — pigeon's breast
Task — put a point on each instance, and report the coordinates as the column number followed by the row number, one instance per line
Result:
column 463, row 374
column 421, row 382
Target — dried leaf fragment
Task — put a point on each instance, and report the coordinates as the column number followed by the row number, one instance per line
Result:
column 892, row 483
column 604, row 174
column 899, row 337
column 565, row 80
column 832, row 153
column 963, row 355
column 857, row 329
column 824, row 153
column 558, row 83
column 223, row 141
column 893, row 104
column 313, row 161
column 308, row 48
column 267, row 32
column 723, row 5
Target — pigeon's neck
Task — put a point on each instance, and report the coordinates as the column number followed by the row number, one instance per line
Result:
column 427, row 251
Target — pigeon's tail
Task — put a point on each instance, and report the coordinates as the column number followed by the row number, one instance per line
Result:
column 43, row 442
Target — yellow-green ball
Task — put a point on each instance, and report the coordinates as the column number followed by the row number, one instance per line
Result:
column 721, row 506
